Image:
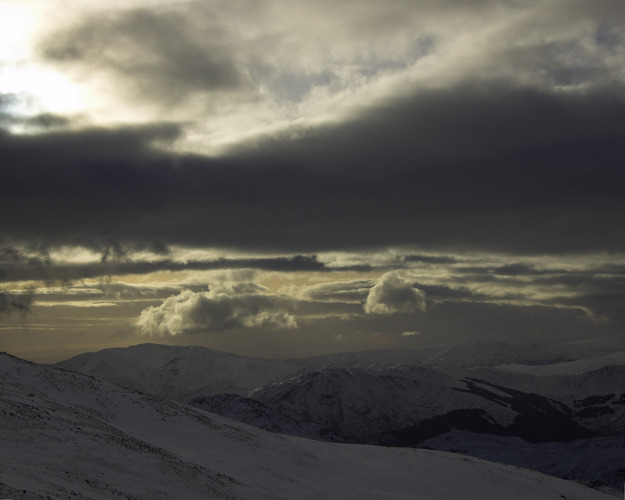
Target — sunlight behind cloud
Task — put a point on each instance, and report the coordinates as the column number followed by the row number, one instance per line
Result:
column 40, row 90
column 15, row 21
column 36, row 88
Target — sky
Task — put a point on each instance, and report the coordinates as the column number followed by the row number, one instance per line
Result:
column 283, row 178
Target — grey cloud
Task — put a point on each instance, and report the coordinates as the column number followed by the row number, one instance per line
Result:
column 453, row 321
column 517, row 269
column 598, row 290
column 159, row 54
column 458, row 322
column 169, row 53
column 429, row 259
column 394, row 293
column 344, row 291
column 444, row 292
column 213, row 312
column 13, row 303
column 68, row 153
column 594, row 290
column 47, row 121
column 512, row 270
column 497, row 168
column 119, row 259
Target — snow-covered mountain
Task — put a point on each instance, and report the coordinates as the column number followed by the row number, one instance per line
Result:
column 252, row 412
column 538, row 356
column 596, row 396
column 66, row 435
column 568, row 367
column 178, row 372
column 407, row 404
column 367, row 359
column 398, row 398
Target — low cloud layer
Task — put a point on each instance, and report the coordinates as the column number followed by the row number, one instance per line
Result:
column 489, row 168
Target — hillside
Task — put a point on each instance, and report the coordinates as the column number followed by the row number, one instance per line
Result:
column 70, row 435
column 177, row 372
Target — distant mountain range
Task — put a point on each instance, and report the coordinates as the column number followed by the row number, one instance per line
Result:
column 552, row 403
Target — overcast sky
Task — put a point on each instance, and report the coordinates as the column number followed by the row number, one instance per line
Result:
column 284, row 177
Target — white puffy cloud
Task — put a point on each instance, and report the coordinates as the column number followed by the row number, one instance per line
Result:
column 394, row 293
column 214, row 311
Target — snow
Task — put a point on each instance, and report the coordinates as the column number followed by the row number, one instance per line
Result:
column 68, row 435
column 367, row 359
column 178, row 372
column 357, row 404
column 568, row 367
column 598, row 460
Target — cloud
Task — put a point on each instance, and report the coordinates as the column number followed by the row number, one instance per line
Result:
column 339, row 291
column 166, row 55
column 271, row 67
column 394, row 293
column 214, row 312
column 19, row 263
column 10, row 115
column 428, row 259
column 529, row 171
column 12, row 303
column 410, row 334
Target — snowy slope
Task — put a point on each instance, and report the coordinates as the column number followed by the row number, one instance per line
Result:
column 179, row 373
column 592, row 461
column 251, row 412
column 68, row 435
column 490, row 354
column 568, row 367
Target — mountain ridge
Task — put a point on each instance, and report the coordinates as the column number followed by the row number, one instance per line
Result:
column 66, row 434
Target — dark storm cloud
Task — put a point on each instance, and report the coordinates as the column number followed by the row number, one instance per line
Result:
column 157, row 54
column 496, row 167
